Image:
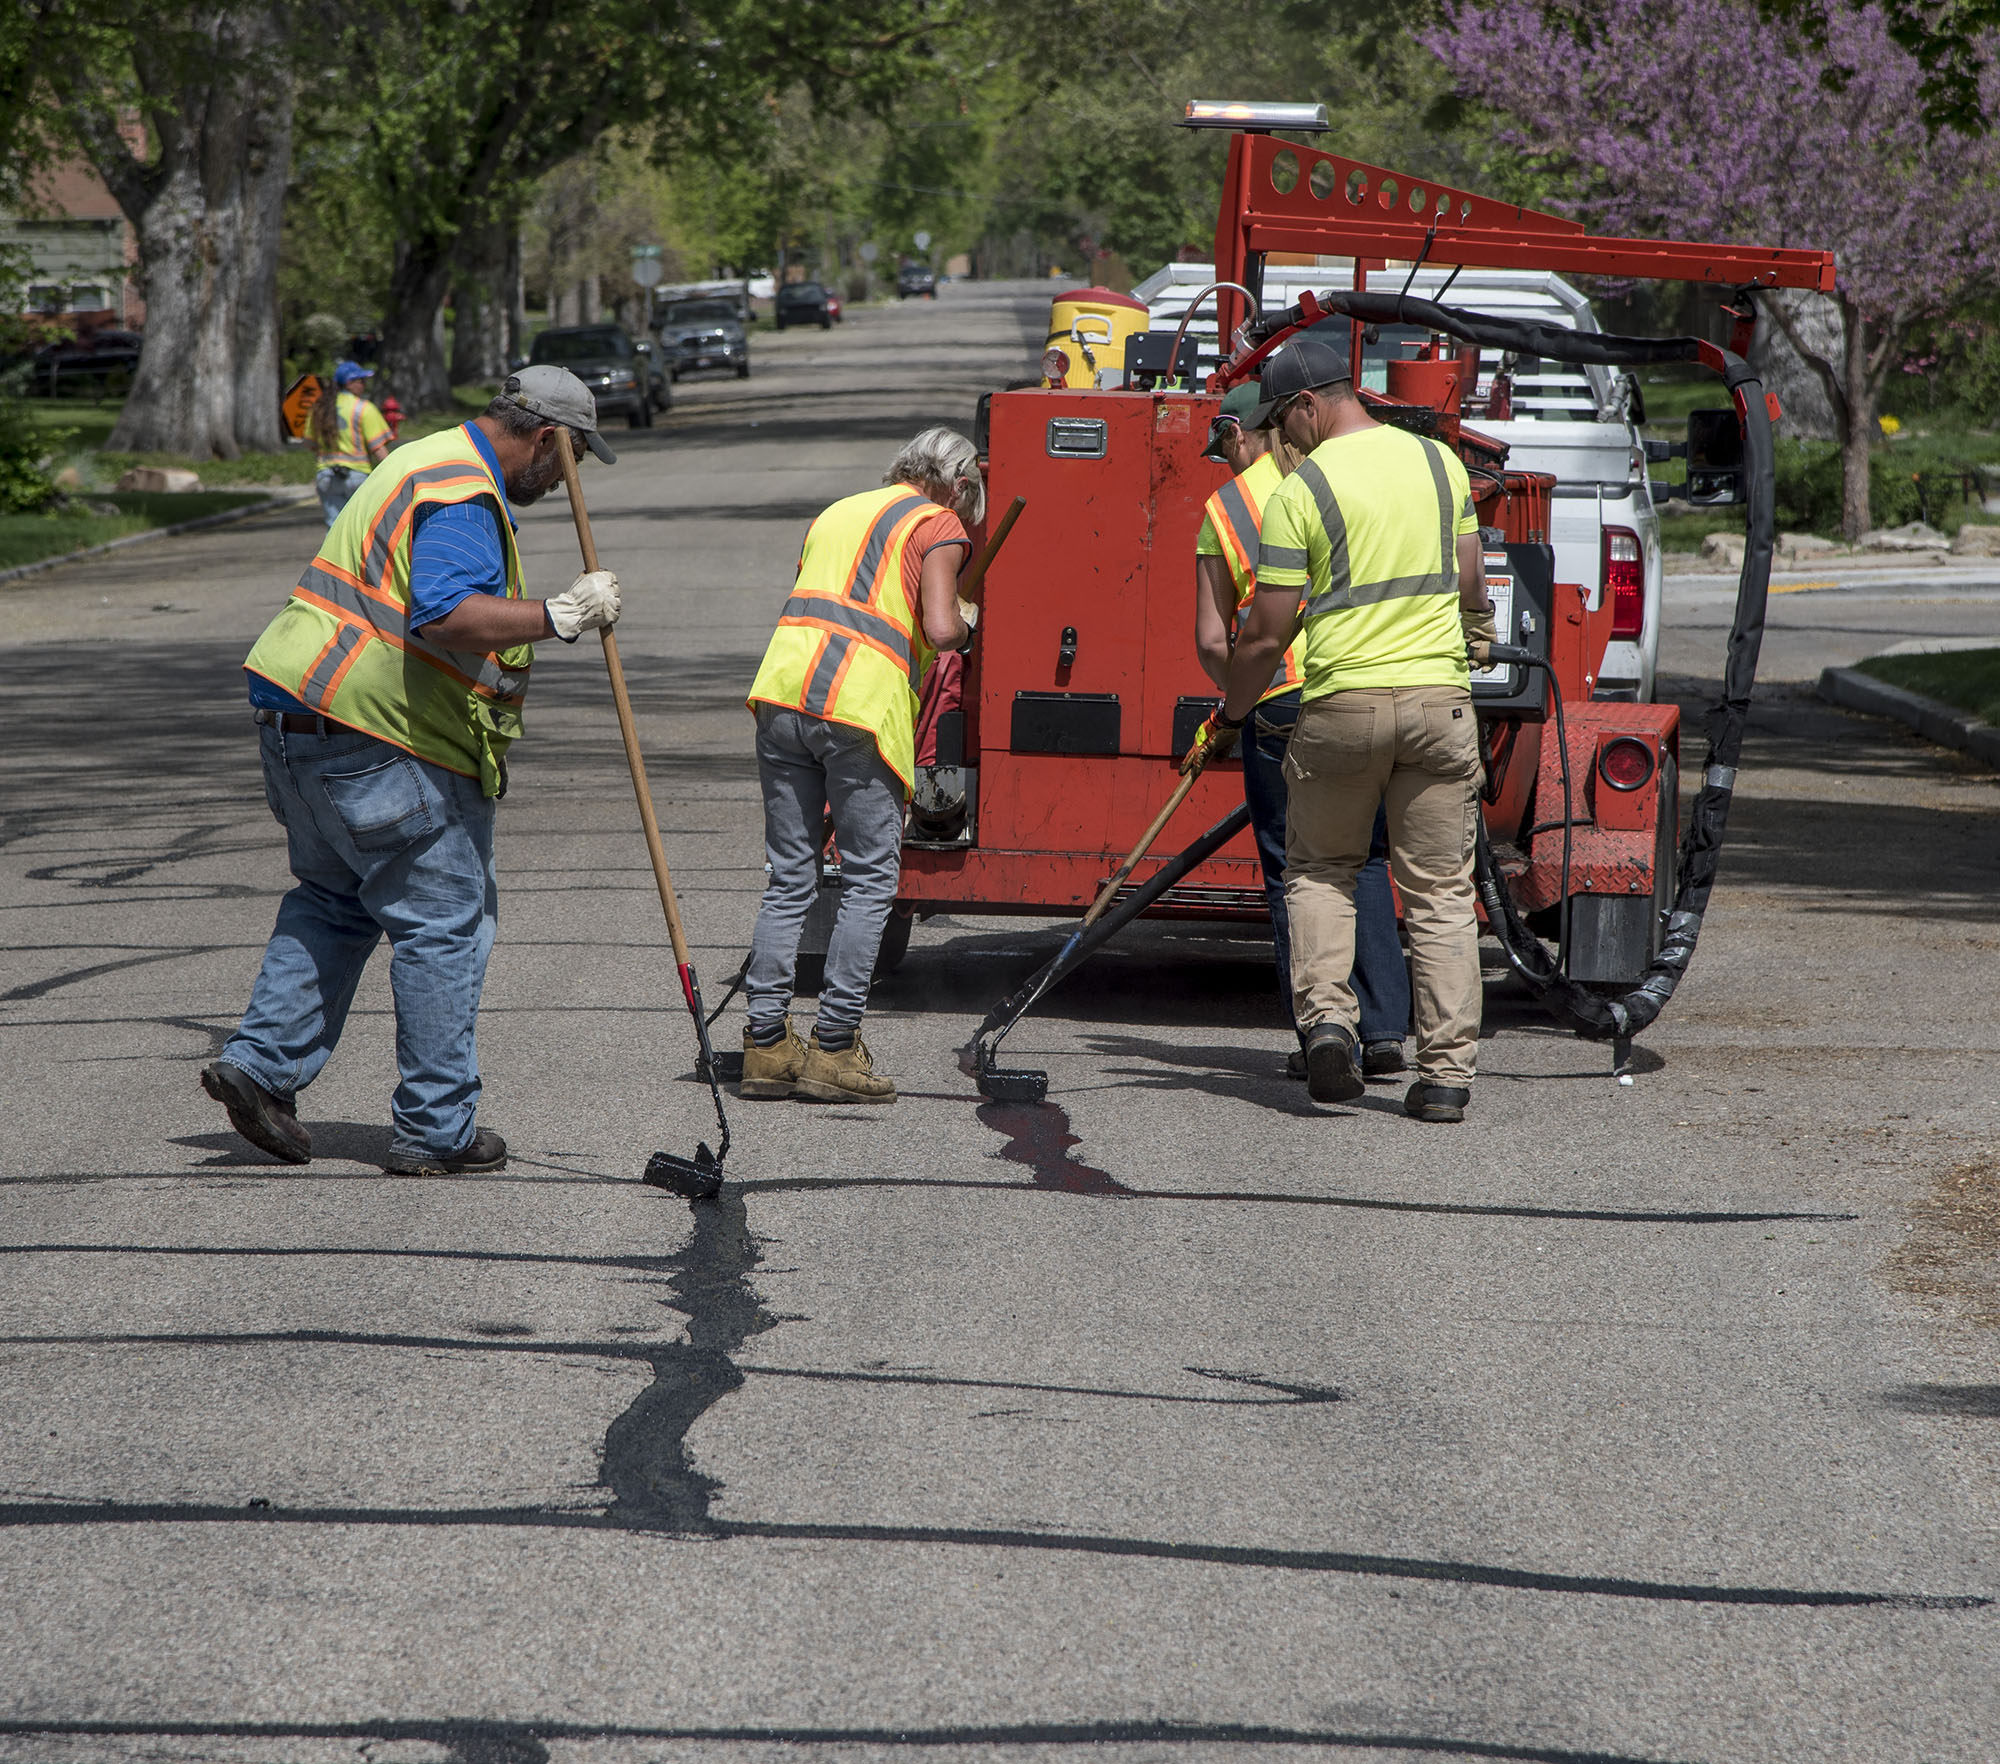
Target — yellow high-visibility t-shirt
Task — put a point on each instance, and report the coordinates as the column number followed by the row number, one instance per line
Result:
column 1365, row 535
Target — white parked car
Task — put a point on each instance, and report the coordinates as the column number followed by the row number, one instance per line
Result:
column 1572, row 422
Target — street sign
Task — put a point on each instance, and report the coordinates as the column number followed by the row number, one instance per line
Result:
column 296, row 405
column 870, row 251
column 647, row 269
column 923, row 241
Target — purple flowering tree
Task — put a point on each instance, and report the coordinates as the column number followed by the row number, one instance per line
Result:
column 1703, row 119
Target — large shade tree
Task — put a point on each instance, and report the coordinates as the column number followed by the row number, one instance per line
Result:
column 1712, row 119
column 186, row 114
column 467, row 102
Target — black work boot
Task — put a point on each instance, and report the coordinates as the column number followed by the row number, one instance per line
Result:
column 1436, row 1102
column 1333, row 1075
column 262, row 1117
column 1383, row 1059
column 483, row 1154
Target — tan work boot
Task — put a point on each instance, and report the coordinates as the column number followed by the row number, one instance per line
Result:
column 846, row 1076
column 771, row 1073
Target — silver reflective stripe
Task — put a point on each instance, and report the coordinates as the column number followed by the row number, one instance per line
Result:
column 1244, row 524
column 1340, row 594
column 317, row 686
column 1720, row 778
column 390, row 515
column 819, row 687
column 1334, row 524
column 870, row 565
column 1447, row 546
column 1281, row 557
column 394, row 622
column 859, row 619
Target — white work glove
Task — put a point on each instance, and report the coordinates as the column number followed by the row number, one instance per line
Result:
column 590, row 603
column 969, row 613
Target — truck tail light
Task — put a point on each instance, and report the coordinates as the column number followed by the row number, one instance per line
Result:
column 1626, row 763
column 1625, row 581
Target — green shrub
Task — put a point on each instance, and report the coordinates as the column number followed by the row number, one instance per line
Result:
column 24, row 485
column 1808, row 487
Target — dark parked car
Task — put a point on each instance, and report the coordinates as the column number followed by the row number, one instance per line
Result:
column 705, row 333
column 104, row 361
column 803, row 303
column 618, row 372
column 916, row 278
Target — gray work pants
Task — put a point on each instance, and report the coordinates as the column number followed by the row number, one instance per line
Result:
column 808, row 767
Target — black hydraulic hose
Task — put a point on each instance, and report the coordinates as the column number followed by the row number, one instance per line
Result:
column 1701, row 849
column 1003, row 1016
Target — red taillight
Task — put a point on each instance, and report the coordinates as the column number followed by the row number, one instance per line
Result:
column 1625, row 764
column 1625, row 581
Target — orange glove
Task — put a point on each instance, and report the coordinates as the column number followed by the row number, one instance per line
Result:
column 1212, row 741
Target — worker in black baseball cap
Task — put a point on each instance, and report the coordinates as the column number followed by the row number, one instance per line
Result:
column 1301, row 364
column 1225, row 578
column 1369, row 570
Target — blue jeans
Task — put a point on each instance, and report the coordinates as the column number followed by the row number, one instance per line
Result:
column 1381, row 981
column 335, row 485
column 810, row 767
column 382, row 843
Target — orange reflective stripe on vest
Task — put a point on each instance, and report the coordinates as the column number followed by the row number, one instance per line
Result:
column 1237, row 513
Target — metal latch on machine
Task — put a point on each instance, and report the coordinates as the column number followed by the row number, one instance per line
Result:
column 1078, row 437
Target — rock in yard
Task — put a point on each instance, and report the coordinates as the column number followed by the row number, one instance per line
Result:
column 1911, row 536
column 1723, row 548
column 171, row 479
column 1976, row 541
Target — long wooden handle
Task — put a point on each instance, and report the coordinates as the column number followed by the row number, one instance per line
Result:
column 975, row 571
column 634, row 760
column 1138, row 851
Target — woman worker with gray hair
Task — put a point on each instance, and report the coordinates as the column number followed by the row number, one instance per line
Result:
column 836, row 699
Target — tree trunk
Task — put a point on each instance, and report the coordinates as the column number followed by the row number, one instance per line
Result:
column 412, row 356
column 517, row 298
column 207, row 215
column 1787, row 367
column 481, row 294
column 1858, row 441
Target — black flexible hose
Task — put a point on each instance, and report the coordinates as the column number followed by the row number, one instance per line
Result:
column 1701, row 849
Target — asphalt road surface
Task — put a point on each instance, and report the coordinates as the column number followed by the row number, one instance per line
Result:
column 1179, row 1420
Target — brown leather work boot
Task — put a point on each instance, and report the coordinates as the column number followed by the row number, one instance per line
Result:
column 771, row 1073
column 846, row 1076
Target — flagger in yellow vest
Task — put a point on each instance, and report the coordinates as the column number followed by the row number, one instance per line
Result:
column 1225, row 580
column 875, row 600
column 388, row 691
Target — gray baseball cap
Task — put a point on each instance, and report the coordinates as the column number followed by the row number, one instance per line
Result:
column 556, row 393
column 1300, row 364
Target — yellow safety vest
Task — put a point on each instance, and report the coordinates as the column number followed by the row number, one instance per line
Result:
column 350, row 434
column 343, row 642
column 850, row 646
column 1236, row 516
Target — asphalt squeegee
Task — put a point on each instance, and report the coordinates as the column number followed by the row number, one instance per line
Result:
column 698, row 1177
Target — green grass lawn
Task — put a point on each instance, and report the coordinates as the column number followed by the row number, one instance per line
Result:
column 28, row 538
column 1968, row 679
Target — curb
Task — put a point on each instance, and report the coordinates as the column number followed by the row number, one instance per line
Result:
column 275, row 499
column 1942, row 723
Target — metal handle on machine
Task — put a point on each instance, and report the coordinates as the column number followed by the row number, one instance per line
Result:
column 1174, row 355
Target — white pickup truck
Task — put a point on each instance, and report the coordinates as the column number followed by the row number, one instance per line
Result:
column 1573, row 422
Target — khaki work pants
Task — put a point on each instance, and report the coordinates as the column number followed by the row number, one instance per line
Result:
column 1415, row 751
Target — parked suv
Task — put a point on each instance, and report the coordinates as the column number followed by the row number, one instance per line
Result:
column 1572, row 421
column 803, row 303
column 916, row 278
column 103, row 361
column 618, row 371
column 702, row 334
